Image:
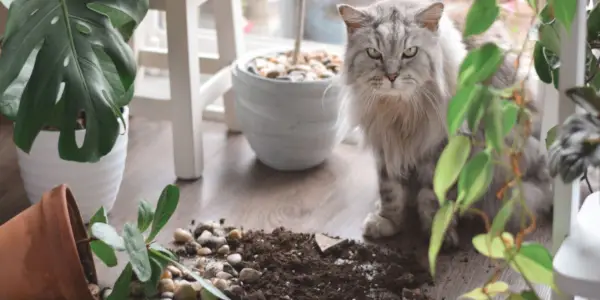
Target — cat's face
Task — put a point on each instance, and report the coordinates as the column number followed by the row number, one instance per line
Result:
column 389, row 46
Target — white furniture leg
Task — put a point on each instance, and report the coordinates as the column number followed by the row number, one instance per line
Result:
column 566, row 196
column 228, row 22
column 184, row 77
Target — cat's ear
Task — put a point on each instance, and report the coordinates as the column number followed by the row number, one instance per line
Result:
column 353, row 17
column 430, row 17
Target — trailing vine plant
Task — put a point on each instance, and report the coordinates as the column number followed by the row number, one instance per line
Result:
column 500, row 111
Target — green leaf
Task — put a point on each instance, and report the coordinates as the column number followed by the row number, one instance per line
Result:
column 492, row 246
column 585, row 97
column 555, row 77
column 459, row 106
column 67, row 76
column 551, row 136
column 529, row 295
column 549, row 37
column 104, row 252
column 564, row 11
column 475, row 179
column 158, row 247
column 502, row 217
column 510, row 112
column 145, row 215
column 593, row 24
column 206, row 295
column 158, row 265
column 476, row 109
column 108, row 235
column 546, row 15
column 487, row 292
column 532, row 4
column 539, row 62
column 99, row 217
column 448, row 167
column 441, row 221
column 167, row 203
column 535, row 263
column 481, row 16
column 493, row 126
column 138, row 254
column 480, row 64
column 120, row 290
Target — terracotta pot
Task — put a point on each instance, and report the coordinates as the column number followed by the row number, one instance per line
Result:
column 39, row 256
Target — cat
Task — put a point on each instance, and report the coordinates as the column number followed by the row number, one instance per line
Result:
column 402, row 58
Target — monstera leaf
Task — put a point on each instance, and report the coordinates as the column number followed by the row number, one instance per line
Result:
column 62, row 58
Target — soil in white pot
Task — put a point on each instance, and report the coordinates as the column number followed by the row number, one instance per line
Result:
column 311, row 66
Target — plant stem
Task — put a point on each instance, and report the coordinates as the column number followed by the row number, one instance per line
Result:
column 88, row 240
column 299, row 30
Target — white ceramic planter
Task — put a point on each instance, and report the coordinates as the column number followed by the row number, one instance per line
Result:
column 92, row 184
column 290, row 126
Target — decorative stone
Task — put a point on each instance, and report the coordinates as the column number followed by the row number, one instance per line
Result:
column 204, row 251
column 166, row 274
column 249, row 275
column 94, row 290
column 224, row 275
column 168, row 295
column 230, row 269
column 212, row 268
column 235, row 290
column 324, row 242
column 166, row 285
column 221, row 284
column 235, row 234
column 136, row 288
column 219, row 241
column 105, row 293
column 234, row 258
column 223, row 250
column 182, row 236
column 201, row 262
column 175, row 272
column 185, row 292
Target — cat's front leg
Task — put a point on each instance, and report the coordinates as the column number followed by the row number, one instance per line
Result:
column 386, row 220
column 428, row 205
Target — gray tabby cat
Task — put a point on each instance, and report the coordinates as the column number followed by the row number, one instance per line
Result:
column 401, row 64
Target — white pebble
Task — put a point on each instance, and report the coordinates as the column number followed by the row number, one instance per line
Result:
column 204, row 251
column 174, row 271
column 219, row 241
column 224, row 275
column 205, row 234
column 182, row 236
column 185, row 292
column 223, row 250
column 221, row 284
column 234, row 258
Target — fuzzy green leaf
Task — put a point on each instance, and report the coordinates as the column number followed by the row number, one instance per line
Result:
column 480, row 64
column 145, row 215
column 535, row 262
column 104, row 252
column 476, row 109
column 493, row 126
column 540, row 64
column 158, row 247
column 449, row 165
column 475, row 179
column 441, row 221
column 158, row 265
column 167, row 203
column 108, row 235
column 120, row 290
column 481, row 16
column 564, row 11
column 138, row 254
column 490, row 290
column 549, row 37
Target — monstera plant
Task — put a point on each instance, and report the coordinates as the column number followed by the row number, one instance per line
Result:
column 66, row 78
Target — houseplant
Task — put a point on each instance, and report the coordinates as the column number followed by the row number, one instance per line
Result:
column 289, row 118
column 505, row 111
column 66, row 80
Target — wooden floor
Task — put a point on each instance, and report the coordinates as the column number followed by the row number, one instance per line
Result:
column 333, row 198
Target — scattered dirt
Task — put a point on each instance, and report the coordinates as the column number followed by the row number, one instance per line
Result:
column 293, row 268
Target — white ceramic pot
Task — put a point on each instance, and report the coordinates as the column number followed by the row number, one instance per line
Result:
column 92, row 184
column 290, row 126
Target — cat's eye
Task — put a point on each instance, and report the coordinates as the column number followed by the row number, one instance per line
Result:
column 373, row 53
column 410, row 52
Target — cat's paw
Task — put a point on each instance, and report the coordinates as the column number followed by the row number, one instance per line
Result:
column 376, row 226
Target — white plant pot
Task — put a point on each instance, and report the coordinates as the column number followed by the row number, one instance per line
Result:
column 291, row 126
column 92, row 184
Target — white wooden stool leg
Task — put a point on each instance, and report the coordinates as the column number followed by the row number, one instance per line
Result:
column 228, row 22
column 184, row 74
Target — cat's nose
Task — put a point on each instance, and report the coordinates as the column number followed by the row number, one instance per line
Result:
column 392, row 76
